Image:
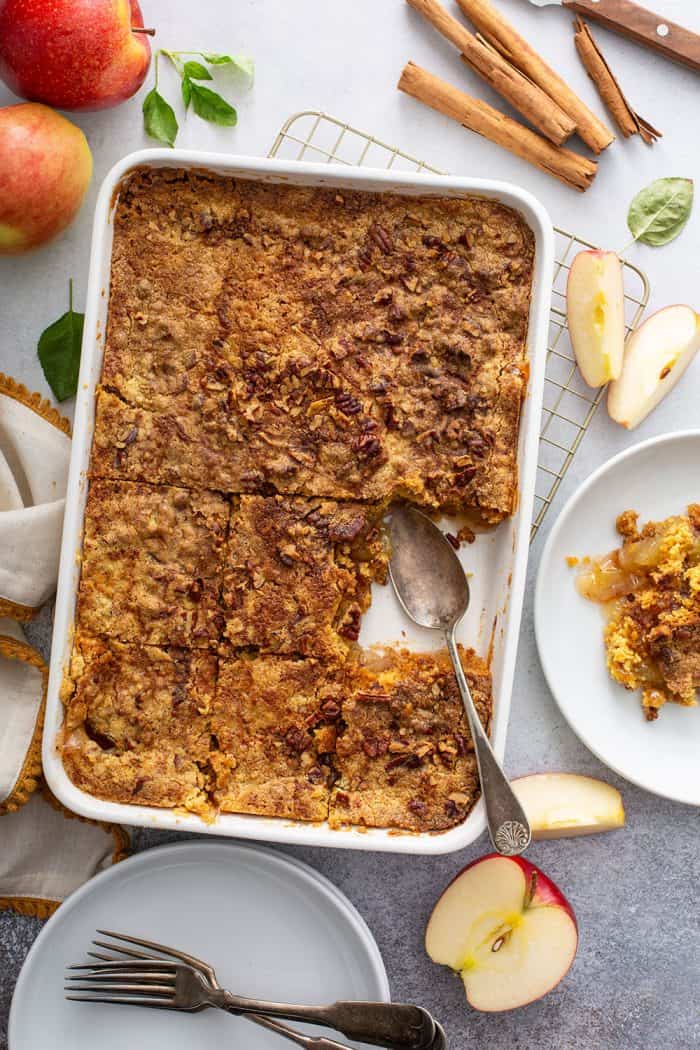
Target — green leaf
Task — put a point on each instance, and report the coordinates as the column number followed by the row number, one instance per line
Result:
column 159, row 119
column 660, row 211
column 211, row 106
column 215, row 60
column 186, row 91
column 59, row 351
column 241, row 64
column 196, row 71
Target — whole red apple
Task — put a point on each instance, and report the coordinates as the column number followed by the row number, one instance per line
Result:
column 73, row 54
column 45, row 169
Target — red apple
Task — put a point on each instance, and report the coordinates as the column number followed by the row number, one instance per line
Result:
column 506, row 929
column 73, row 54
column 45, row 169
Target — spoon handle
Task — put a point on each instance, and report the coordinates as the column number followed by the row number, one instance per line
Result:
column 508, row 826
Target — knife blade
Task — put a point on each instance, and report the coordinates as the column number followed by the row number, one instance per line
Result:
column 638, row 24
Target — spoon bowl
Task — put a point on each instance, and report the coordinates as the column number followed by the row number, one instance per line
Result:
column 427, row 575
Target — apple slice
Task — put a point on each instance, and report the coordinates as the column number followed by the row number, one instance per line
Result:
column 559, row 805
column 656, row 356
column 595, row 307
column 506, row 929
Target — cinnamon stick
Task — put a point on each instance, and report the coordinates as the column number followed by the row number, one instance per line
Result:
column 512, row 46
column 475, row 115
column 529, row 99
column 628, row 121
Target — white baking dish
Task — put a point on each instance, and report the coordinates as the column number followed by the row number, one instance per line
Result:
column 497, row 561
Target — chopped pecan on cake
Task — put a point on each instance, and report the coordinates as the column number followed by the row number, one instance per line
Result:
column 298, row 574
column 137, row 722
column 274, row 726
column 151, row 567
column 305, row 341
column 404, row 756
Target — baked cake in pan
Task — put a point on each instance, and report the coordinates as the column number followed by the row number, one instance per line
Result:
column 280, row 363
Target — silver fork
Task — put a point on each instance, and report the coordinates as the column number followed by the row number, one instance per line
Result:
column 190, row 984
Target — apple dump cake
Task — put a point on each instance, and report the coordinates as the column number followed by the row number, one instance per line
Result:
column 650, row 586
column 280, row 363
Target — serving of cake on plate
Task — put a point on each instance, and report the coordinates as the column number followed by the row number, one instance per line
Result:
column 282, row 362
column 650, row 587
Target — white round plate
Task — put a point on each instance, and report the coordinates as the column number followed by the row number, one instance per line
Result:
column 271, row 926
column 657, row 478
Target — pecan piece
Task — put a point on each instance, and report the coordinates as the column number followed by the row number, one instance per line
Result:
column 381, row 237
column 195, row 590
column 410, row 761
column 296, row 739
column 347, row 528
column 367, row 447
column 374, row 746
column 101, row 739
column 416, row 806
column 348, row 404
column 465, row 476
column 350, row 628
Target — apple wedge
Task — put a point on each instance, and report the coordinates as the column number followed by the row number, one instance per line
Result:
column 560, row 805
column 506, row 929
column 656, row 356
column 595, row 307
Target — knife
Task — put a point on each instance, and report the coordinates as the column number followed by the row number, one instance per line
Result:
column 640, row 25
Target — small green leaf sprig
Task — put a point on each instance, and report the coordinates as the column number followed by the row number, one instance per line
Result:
column 59, row 351
column 159, row 118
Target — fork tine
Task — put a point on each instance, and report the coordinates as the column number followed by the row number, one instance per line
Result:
column 147, row 990
column 131, row 1000
column 124, row 951
column 114, row 978
column 125, row 964
column 163, row 949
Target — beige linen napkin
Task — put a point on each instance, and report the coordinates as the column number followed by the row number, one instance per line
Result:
column 43, row 855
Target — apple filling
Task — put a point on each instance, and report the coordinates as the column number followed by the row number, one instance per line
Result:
column 650, row 589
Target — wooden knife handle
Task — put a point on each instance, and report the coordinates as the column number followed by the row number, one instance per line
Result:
column 644, row 27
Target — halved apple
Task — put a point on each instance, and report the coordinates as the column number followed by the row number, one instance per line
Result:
column 506, row 929
column 656, row 356
column 595, row 306
column 559, row 805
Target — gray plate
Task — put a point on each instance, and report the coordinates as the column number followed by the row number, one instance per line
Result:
column 271, row 926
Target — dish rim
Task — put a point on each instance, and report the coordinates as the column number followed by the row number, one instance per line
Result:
column 297, row 172
column 538, row 613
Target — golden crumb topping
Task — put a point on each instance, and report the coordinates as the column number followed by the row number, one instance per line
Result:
column 651, row 589
column 280, row 363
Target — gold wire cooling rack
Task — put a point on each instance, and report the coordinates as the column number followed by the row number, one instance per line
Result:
column 569, row 405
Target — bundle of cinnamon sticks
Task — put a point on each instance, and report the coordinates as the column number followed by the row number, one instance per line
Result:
column 505, row 60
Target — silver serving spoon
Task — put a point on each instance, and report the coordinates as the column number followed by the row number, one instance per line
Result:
column 433, row 589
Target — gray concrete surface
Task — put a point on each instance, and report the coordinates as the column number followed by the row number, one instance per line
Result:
column 634, row 982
